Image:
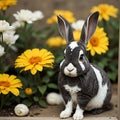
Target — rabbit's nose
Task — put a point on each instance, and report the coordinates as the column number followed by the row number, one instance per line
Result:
column 70, row 67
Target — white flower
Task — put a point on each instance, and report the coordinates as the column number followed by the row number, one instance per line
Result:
column 1, row 51
column 9, row 37
column 5, row 26
column 28, row 16
column 24, row 16
column 18, row 24
column 37, row 15
column 78, row 25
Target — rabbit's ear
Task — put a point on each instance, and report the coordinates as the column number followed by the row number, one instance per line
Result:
column 65, row 29
column 89, row 28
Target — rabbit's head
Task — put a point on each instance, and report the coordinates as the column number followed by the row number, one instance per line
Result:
column 75, row 62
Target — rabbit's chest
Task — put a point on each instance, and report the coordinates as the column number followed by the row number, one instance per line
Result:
column 73, row 90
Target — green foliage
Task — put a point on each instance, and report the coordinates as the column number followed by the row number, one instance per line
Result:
column 109, row 61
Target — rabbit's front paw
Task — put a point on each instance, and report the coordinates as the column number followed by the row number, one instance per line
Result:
column 65, row 114
column 78, row 116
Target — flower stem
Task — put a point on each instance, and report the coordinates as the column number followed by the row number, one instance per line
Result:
column 2, row 101
column 1, row 36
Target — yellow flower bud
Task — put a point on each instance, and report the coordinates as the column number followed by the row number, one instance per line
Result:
column 28, row 91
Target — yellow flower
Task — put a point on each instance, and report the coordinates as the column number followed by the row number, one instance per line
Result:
column 28, row 91
column 56, row 41
column 106, row 11
column 9, row 83
column 98, row 43
column 4, row 4
column 68, row 15
column 34, row 60
column 76, row 35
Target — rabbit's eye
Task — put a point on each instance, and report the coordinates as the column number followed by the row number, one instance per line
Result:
column 81, row 57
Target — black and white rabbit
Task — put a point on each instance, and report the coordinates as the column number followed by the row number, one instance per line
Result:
column 81, row 82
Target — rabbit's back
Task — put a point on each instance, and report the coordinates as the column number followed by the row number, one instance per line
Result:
column 104, row 89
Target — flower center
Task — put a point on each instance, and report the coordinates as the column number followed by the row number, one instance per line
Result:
column 35, row 60
column 4, row 83
column 94, row 42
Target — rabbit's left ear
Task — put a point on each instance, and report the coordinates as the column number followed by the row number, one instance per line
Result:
column 65, row 29
column 89, row 28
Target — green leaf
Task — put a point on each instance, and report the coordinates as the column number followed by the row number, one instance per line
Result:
column 52, row 85
column 27, row 102
column 22, row 94
column 42, row 103
column 112, row 76
column 36, row 99
column 42, row 89
column 50, row 73
column 45, row 79
column 34, row 89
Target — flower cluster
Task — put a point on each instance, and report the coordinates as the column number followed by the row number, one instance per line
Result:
column 7, row 35
column 26, row 16
column 16, row 53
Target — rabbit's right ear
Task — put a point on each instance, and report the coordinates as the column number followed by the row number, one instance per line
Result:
column 89, row 28
column 65, row 29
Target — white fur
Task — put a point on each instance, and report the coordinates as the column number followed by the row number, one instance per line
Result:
column 73, row 45
column 80, row 53
column 73, row 89
column 54, row 98
column 61, row 63
column 98, row 100
column 78, row 115
column 73, row 92
column 65, row 51
column 68, row 110
column 81, row 64
column 70, row 70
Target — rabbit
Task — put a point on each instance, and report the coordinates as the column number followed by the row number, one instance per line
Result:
column 81, row 83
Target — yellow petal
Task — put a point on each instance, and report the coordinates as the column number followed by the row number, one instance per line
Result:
column 33, row 71
column 14, row 91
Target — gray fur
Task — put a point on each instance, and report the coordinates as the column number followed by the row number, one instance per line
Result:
column 86, row 79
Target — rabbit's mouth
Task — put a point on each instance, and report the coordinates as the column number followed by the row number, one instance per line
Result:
column 71, row 75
